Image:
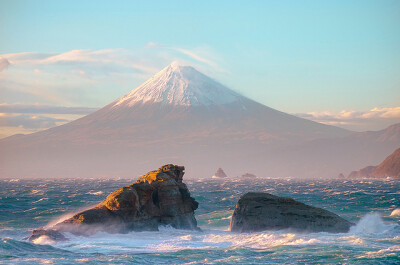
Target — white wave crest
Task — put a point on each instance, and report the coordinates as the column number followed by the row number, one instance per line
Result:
column 396, row 212
column 259, row 240
column 44, row 240
column 371, row 223
column 96, row 192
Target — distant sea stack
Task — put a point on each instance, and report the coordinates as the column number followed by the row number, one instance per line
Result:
column 220, row 174
column 259, row 211
column 157, row 198
column 390, row 167
column 249, row 176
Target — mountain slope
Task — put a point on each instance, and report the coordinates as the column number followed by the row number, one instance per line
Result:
column 181, row 101
column 390, row 167
column 182, row 95
column 178, row 116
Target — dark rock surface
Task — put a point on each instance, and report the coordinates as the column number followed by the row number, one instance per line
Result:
column 50, row 233
column 157, row 198
column 258, row 211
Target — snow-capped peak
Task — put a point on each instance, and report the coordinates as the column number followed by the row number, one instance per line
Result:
column 179, row 85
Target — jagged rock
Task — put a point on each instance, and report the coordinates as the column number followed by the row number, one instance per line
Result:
column 157, row 198
column 258, row 211
column 219, row 174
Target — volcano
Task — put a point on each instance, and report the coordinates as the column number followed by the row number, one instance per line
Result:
column 178, row 116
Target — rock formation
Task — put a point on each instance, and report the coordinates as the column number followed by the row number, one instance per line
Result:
column 341, row 176
column 365, row 172
column 157, row 198
column 220, row 174
column 249, row 176
column 50, row 233
column 258, row 211
column 390, row 167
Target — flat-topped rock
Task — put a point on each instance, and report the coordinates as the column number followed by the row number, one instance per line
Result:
column 259, row 211
column 156, row 198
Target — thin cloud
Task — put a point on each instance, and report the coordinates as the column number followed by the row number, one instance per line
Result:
column 29, row 122
column 43, row 109
column 195, row 56
column 114, row 60
column 199, row 55
column 26, row 58
column 111, row 60
column 377, row 113
column 153, row 45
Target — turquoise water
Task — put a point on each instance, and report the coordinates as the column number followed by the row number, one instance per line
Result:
column 375, row 239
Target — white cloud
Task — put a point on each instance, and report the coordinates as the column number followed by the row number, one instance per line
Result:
column 91, row 77
column 376, row 118
column 113, row 59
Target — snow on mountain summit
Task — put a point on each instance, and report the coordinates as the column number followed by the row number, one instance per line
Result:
column 179, row 85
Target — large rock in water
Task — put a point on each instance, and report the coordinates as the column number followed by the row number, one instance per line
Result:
column 157, row 198
column 258, row 211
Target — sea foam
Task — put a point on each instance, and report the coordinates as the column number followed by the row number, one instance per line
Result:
column 371, row 223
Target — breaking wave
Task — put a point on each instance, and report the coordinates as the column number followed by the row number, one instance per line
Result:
column 371, row 223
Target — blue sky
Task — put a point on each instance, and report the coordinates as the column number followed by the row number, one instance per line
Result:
column 313, row 58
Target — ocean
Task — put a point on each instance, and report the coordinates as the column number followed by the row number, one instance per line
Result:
column 373, row 205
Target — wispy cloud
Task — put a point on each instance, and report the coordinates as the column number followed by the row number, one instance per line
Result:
column 29, row 122
column 376, row 118
column 25, row 119
column 91, row 77
column 203, row 55
column 114, row 60
column 43, row 109
column 107, row 59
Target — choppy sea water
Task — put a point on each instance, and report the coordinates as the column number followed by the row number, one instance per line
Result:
column 373, row 205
